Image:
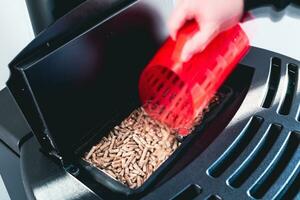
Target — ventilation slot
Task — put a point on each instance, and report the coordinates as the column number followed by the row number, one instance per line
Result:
column 238, row 146
column 290, row 91
column 213, row 197
column 291, row 189
column 256, row 157
column 299, row 113
column 189, row 193
column 273, row 82
column 276, row 167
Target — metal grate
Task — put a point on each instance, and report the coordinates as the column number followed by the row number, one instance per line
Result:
column 277, row 166
column 273, row 82
column 239, row 145
column 214, row 197
column 189, row 193
column 292, row 81
column 256, row 157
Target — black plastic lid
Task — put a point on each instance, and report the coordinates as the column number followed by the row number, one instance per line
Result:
column 79, row 87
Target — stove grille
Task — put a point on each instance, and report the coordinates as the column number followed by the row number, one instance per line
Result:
column 237, row 147
column 256, row 157
column 280, row 162
column 190, row 192
column 292, row 81
column 214, row 197
column 273, row 82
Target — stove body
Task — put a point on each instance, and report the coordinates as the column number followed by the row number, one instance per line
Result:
column 249, row 151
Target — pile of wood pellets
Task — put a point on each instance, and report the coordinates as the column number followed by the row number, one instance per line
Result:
column 133, row 150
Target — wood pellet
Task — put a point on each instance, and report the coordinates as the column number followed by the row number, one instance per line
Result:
column 133, row 150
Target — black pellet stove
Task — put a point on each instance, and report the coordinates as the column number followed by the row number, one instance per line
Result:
column 78, row 78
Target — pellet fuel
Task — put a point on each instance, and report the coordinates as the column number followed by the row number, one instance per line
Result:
column 133, row 150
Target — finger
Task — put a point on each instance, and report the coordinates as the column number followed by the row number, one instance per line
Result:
column 177, row 19
column 199, row 41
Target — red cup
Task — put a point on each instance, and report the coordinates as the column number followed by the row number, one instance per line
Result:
column 175, row 93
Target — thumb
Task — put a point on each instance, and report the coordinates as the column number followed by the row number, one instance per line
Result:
column 177, row 19
column 199, row 41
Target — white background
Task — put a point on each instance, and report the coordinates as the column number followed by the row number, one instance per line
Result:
column 276, row 31
column 15, row 33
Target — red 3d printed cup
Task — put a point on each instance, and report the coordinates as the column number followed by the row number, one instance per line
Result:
column 176, row 93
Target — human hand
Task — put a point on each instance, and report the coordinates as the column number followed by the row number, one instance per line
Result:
column 212, row 16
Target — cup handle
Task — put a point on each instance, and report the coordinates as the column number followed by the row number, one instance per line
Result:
column 184, row 34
